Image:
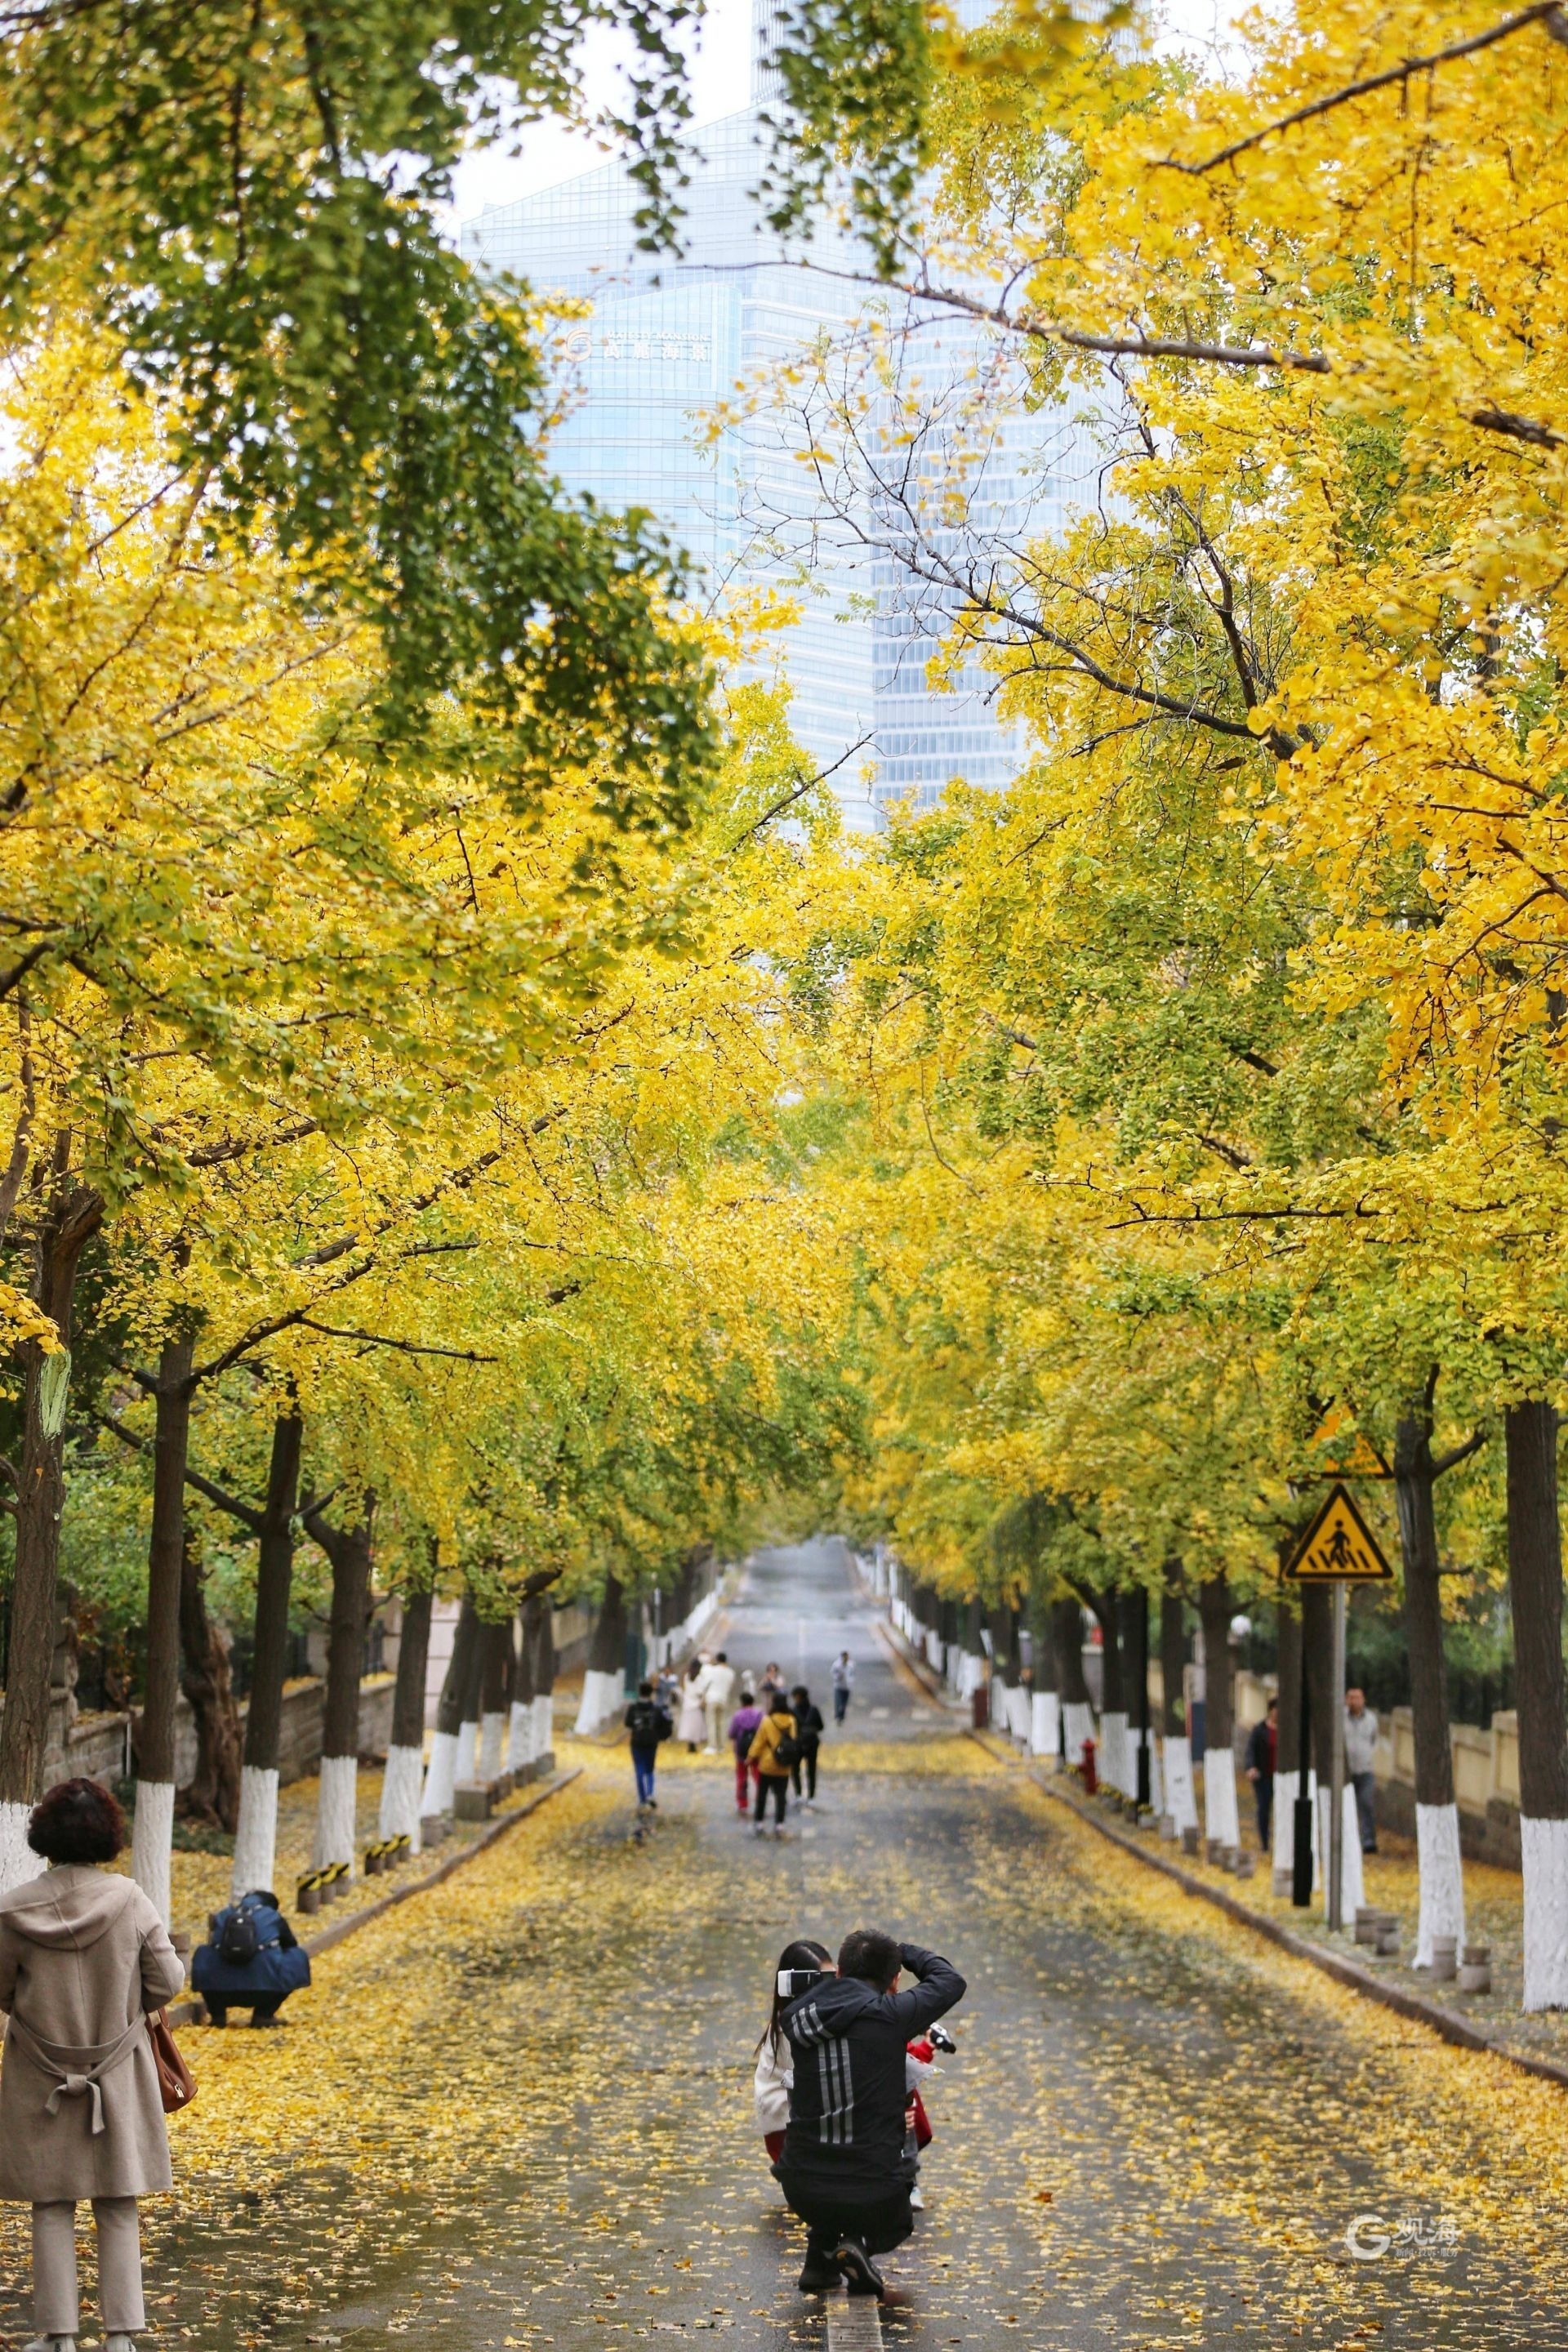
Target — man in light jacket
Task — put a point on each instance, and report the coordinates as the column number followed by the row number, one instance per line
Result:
column 844, row 2167
column 716, row 1688
column 1361, row 1754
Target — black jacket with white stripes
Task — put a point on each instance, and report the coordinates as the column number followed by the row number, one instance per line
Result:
column 847, row 2107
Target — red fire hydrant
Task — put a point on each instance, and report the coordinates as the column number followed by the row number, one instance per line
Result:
column 1089, row 1783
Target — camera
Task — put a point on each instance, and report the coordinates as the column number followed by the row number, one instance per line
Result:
column 941, row 2039
column 793, row 1982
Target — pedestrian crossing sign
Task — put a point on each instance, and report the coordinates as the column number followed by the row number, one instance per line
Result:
column 1338, row 1547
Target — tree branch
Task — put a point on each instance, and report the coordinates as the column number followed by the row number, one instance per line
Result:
column 1457, row 1453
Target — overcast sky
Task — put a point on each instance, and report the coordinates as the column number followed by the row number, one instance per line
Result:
column 721, row 77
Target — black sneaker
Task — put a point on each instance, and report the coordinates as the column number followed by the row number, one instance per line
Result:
column 817, row 2278
column 858, row 2272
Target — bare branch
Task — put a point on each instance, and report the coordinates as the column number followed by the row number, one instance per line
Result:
column 799, row 792
column 379, row 1340
column 1518, row 428
column 1164, row 347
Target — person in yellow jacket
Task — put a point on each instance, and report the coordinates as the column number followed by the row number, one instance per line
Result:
column 774, row 1751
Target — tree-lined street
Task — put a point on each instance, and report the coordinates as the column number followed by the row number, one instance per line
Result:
column 518, row 2112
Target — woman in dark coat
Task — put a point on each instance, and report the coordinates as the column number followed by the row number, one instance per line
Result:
column 84, row 1959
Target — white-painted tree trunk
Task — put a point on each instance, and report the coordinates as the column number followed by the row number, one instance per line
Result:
column 152, row 1846
column 1079, row 1718
column 1353, row 1875
column 520, row 1736
column 1442, row 1878
column 492, row 1746
column 1180, row 1799
column 1544, row 1853
column 1221, row 1820
column 336, row 1804
column 18, row 1863
column 601, row 1700
column 440, row 1776
column 1046, row 1728
column 1284, row 1840
column 400, row 1795
column 1156, row 1778
column 465, row 1766
column 544, row 1725
column 1113, row 1749
column 256, row 1840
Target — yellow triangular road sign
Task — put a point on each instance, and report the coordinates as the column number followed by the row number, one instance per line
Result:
column 1338, row 1545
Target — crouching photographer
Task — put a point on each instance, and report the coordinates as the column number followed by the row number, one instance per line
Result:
column 845, row 2169
column 251, row 1961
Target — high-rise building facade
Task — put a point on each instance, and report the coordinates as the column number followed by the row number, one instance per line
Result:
column 662, row 343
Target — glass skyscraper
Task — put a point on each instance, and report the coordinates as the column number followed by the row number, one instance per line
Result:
column 661, row 343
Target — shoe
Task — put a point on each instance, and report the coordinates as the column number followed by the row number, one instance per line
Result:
column 858, row 2272
column 68, row 2343
column 917, row 2202
column 120, row 2342
column 265, row 2022
column 653, row 1804
column 817, row 2278
column 761, row 1828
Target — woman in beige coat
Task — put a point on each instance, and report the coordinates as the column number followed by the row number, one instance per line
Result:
column 84, row 1958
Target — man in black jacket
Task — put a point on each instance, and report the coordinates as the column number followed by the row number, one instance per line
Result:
column 844, row 2169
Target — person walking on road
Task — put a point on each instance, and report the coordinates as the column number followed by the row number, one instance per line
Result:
column 743, row 1731
column 773, row 1751
column 718, row 1688
column 844, row 2169
column 649, row 1724
column 808, row 1731
column 842, row 1679
column 84, row 1961
column 1360, row 1757
column 1262, row 1757
column 693, row 1725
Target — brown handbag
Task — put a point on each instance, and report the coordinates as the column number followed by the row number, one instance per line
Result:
column 176, row 2084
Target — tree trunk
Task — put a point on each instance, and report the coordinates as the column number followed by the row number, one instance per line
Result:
column 1222, row 1820
column 1106, row 1607
column 406, row 1755
column 1440, row 1869
column 1077, row 1717
column 213, row 1795
column 1178, row 1791
column 73, row 1215
column 256, row 1840
column 152, row 1843
column 1535, row 1592
column 1134, row 1628
column 349, row 1549
column 1288, row 1759
column 1045, row 1702
column 539, row 1625
column 499, row 1664
column 441, row 1774
column 603, row 1682
column 520, row 1753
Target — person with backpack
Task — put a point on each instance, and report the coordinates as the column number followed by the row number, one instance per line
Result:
column 649, row 1724
column 774, row 1751
column 808, row 1731
column 743, row 1731
column 252, row 1959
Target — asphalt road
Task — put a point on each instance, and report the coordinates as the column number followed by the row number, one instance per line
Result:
column 517, row 2112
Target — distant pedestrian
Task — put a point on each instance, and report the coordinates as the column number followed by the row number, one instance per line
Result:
column 773, row 1751
column 772, row 1679
column 1262, row 1763
column 808, row 1731
column 748, row 1688
column 743, row 1731
column 1360, row 1756
column 84, row 1959
column 717, row 1687
column 649, row 1724
column 842, row 1679
column 693, row 1725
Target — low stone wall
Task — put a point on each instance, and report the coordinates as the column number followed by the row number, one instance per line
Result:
column 96, row 1746
column 1492, row 1836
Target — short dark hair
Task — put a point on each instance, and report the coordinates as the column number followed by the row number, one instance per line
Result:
column 722, row 1659
column 872, row 1956
column 79, row 1820
column 800, row 1691
column 644, row 1690
column 1273, row 1703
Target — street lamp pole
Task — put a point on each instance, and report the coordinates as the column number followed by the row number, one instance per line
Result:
column 1337, row 1764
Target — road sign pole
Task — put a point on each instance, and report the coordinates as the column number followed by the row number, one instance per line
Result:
column 1337, row 1766
column 1301, row 1877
